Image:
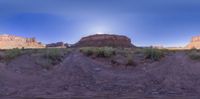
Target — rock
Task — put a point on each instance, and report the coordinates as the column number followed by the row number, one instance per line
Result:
column 57, row 45
column 11, row 41
column 102, row 40
column 195, row 43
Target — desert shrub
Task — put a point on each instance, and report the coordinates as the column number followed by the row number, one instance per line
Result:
column 49, row 57
column 193, row 49
column 138, row 51
column 105, row 52
column 124, row 52
column 164, row 50
column 153, row 54
column 12, row 53
column 67, row 50
column 195, row 55
column 98, row 52
column 53, row 55
column 87, row 51
column 45, row 64
column 130, row 61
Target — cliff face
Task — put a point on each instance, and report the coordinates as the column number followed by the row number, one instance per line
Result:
column 11, row 41
column 57, row 45
column 101, row 40
column 195, row 43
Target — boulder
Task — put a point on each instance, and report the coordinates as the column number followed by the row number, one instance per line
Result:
column 194, row 43
column 102, row 40
column 11, row 41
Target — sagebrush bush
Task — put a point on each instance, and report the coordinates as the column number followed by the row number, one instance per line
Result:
column 49, row 57
column 53, row 55
column 98, row 52
column 105, row 52
column 153, row 54
column 194, row 54
column 193, row 49
column 87, row 51
column 130, row 61
column 12, row 53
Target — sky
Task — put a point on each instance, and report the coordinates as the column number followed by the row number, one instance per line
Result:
column 147, row 22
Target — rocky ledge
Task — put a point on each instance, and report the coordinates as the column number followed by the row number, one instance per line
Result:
column 12, row 41
column 57, row 45
column 195, row 43
column 102, row 40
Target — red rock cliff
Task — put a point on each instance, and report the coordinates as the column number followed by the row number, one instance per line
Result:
column 11, row 41
column 195, row 43
column 101, row 40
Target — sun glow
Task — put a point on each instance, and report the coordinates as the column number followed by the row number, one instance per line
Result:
column 99, row 33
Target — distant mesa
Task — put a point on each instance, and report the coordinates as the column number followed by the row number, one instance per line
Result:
column 57, row 45
column 102, row 40
column 10, row 41
column 195, row 43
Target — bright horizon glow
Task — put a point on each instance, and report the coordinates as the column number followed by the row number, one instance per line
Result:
column 100, row 33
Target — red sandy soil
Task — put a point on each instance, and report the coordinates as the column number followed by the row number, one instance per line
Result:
column 80, row 77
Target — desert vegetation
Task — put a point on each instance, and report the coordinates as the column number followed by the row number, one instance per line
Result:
column 115, row 56
column 148, row 53
column 124, row 56
column 98, row 51
column 12, row 53
column 130, row 61
column 46, row 58
column 50, row 57
column 194, row 54
column 153, row 54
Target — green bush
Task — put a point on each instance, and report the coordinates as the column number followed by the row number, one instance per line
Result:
column 105, row 52
column 53, row 55
column 130, row 61
column 195, row 55
column 49, row 57
column 153, row 54
column 193, row 49
column 87, row 51
column 98, row 52
column 12, row 53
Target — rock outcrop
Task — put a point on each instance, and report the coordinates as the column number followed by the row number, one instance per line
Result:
column 102, row 40
column 57, row 45
column 11, row 41
column 195, row 43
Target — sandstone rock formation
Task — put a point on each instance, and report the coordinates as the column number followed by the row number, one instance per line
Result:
column 102, row 40
column 195, row 43
column 11, row 41
column 57, row 45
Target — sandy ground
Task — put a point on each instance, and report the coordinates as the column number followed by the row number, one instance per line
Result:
column 81, row 77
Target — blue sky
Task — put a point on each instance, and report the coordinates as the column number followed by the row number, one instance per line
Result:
column 146, row 22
